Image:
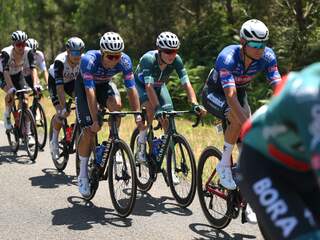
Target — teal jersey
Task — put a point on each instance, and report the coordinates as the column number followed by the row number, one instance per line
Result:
column 148, row 70
column 287, row 130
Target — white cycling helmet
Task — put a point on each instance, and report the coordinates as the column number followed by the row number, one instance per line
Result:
column 19, row 36
column 111, row 42
column 168, row 40
column 75, row 44
column 254, row 30
column 32, row 43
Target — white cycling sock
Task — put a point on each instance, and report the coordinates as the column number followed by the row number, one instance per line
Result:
column 83, row 167
column 55, row 134
column 142, row 136
column 226, row 155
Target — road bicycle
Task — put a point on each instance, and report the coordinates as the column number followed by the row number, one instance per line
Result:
column 219, row 204
column 116, row 165
column 67, row 138
column 180, row 162
column 24, row 127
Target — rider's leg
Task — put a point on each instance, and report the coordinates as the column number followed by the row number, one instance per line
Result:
column 85, row 146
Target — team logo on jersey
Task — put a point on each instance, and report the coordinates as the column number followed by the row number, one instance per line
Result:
column 126, row 63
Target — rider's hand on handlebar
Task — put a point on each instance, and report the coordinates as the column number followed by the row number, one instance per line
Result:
column 139, row 121
column 12, row 90
column 158, row 114
column 199, row 109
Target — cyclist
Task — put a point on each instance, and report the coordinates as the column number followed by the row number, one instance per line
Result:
column 62, row 75
column 151, row 76
column 40, row 62
column 94, row 87
column 224, row 94
column 15, row 59
column 280, row 159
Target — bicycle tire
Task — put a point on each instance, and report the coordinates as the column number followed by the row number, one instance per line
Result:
column 93, row 174
column 144, row 186
column 27, row 114
column 184, row 168
column 123, row 211
column 218, row 223
column 13, row 136
column 43, row 124
column 60, row 165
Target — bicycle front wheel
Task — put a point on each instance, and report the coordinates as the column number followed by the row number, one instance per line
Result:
column 143, row 171
column 29, row 133
column 62, row 161
column 41, row 124
column 210, row 192
column 13, row 135
column 181, row 169
column 122, row 178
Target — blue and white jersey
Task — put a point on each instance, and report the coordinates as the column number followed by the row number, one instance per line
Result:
column 230, row 70
column 94, row 73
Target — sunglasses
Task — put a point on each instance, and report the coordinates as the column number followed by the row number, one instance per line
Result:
column 113, row 57
column 75, row 53
column 257, row 45
column 20, row 44
column 169, row 51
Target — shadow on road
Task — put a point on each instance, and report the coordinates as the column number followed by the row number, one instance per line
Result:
column 207, row 232
column 7, row 156
column 52, row 178
column 82, row 215
column 146, row 205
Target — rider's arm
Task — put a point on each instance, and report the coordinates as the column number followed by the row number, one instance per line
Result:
column 184, row 79
column 42, row 66
column 190, row 93
column 87, row 69
column 233, row 102
column 58, row 74
column 5, row 64
column 32, row 65
column 272, row 72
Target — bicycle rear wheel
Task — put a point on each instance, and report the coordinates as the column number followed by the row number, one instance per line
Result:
column 13, row 135
column 41, row 124
column 214, row 206
column 62, row 161
column 181, row 166
column 122, row 178
column 143, row 171
column 29, row 133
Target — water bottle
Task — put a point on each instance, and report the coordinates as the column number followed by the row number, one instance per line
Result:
column 100, row 152
column 156, row 145
column 68, row 133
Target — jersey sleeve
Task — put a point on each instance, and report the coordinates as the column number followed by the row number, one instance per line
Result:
column 31, row 59
column 146, row 65
column 272, row 72
column 127, row 71
column 58, row 72
column 181, row 71
column 41, row 61
column 224, row 66
column 87, row 66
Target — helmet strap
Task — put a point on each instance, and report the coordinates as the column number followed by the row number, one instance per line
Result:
column 161, row 59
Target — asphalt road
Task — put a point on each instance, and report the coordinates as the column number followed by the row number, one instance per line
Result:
column 37, row 202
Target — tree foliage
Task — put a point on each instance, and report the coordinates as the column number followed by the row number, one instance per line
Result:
column 203, row 26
